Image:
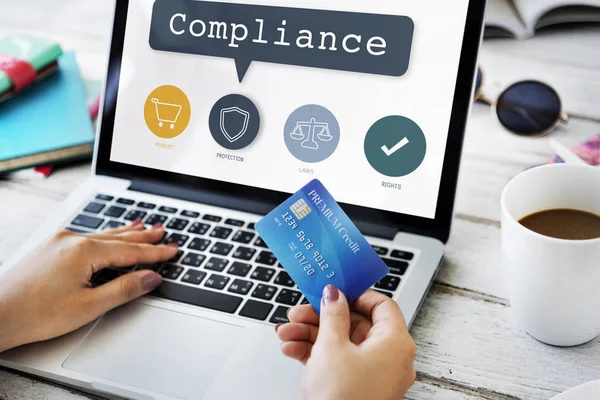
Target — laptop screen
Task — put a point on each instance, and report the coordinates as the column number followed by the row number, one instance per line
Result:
column 272, row 94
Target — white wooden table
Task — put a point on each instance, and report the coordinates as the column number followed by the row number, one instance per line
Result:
column 469, row 346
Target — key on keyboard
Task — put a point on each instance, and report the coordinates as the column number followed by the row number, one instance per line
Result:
column 280, row 315
column 198, row 297
column 234, row 222
column 244, row 253
column 243, row 237
column 193, row 277
column 216, row 264
column 199, row 244
column 382, row 251
column 190, row 214
column 135, row 214
column 263, row 274
column 199, row 228
column 264, row 292
column 288, row 297
column 127, row 202
column 181, row 240
column 221, row 232
column 177, row 256
column 217, row 281
column 396, row 267
column 284, row 279
column 193, row 259
column 114, row 211
column 170, row 271
column 239, row 269
column 266, row 257
column 389, row 282
column 221, row 249
column 94, row 208
column 87, row 222
column 256, row 310
column 259, row 242
column 403, row 255
column 212, row 218
column 155, row 219
column 113, row 224
column 177, row 224
column 240, row 286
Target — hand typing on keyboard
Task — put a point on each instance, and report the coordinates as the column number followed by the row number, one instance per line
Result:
column 366, row 353
column 50, row 292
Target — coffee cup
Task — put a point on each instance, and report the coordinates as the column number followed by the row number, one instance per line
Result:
column 553, row 284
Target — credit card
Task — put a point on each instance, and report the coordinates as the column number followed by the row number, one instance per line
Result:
column 318, row 245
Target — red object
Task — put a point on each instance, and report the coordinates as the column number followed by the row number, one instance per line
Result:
column 45, row 170
column 20, row 72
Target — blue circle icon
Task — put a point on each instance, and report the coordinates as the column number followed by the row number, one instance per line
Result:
column 395, row 146
column 312, row 133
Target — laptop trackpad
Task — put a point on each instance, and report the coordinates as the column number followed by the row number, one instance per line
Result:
column 155, row 349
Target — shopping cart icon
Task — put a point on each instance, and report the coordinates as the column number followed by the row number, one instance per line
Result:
column 166, row 113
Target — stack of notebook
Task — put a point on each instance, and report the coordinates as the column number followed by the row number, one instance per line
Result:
column 44, row 118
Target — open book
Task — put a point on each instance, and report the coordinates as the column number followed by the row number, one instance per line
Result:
column 521, row 18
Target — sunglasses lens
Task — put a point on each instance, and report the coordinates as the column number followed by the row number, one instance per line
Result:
column 529, row 108
column 478, row 80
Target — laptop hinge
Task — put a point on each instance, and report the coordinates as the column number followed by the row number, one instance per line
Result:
column 240, row 204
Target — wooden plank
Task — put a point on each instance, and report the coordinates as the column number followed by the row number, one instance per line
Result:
column 567, row 59
column 425, row 389
column 478, row 346
column 492, row 156
column 27, row 203
column 17, row 387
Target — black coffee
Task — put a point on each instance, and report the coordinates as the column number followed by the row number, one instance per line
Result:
column 564, row 224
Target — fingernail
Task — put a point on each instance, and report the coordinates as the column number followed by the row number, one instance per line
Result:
column 287, row 313
column 136, row 222
column 151, row 281
column 157, row 225
column 277, row 327
column 175, row 245
column 330, row 294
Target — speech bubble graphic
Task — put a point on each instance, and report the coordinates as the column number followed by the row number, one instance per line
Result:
column 346, row 41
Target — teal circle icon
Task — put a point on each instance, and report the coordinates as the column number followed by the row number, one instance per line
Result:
column 395, row 146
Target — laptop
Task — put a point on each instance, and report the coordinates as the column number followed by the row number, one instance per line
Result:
column 213, row 114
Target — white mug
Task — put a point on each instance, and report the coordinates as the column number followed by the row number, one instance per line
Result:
column 554, row 284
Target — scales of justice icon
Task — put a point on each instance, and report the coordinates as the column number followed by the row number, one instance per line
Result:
column 309, row 132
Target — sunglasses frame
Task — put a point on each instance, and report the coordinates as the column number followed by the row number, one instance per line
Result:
column 479, row 96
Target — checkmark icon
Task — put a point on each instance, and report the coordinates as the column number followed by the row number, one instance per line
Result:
column 397, row 146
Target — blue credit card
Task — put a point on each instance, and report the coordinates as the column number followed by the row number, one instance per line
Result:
column 318, row 245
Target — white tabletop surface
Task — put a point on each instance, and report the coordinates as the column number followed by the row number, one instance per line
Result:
column 468, row 343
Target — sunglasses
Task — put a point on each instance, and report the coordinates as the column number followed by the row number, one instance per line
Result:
column 527, row 108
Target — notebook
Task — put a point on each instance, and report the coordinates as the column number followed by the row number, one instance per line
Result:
column 521, row 18
column 49, row 123
column 24, row 60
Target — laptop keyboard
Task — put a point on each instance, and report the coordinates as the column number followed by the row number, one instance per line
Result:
column 222, row 264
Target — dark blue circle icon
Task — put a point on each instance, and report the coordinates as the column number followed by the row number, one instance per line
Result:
column 312, row 133
column 234, row 122
column 395, row 146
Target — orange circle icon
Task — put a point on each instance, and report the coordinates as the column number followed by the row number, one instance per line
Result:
column 167, row 111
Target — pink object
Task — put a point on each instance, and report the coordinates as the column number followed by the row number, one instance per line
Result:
column 20, row 72
column 94, row 107
column 588, row 151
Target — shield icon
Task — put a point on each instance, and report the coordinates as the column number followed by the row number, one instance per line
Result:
column 234, row 123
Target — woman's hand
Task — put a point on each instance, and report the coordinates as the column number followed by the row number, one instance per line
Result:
column 364, row 354
column 49, row 293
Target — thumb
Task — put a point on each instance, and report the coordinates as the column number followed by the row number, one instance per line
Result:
column 335, row 317
column 124, row 289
